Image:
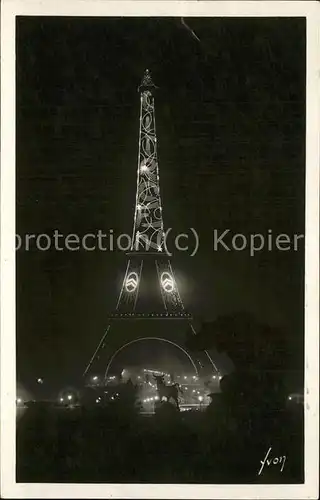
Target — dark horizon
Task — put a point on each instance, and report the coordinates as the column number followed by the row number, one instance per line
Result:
column 230, row 115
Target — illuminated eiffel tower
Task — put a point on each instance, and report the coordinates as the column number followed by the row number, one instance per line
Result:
column 149, row 289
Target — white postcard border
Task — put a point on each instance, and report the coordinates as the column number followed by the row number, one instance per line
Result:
column 9, row 9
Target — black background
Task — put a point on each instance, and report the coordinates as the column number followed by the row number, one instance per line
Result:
column 230, row 113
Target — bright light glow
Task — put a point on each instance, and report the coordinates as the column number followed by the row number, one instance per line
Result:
column 167, row 282
column 200, row 398
column 131, row 282
column 185, row 377
column 61, row 400
column 290, row 397
column 157, row 398
column 69, row 397
column 159, row 248
column 19, row 401
column 193, row 390
column 95, row 378
column 220, row 377
column 149, row 338
column 98, row 400
column 144, row 168
column 40, row 381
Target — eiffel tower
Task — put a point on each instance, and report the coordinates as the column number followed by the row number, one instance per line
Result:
column 149, row 289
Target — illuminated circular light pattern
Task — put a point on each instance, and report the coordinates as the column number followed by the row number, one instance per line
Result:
column 167, row 282
column 131, row 282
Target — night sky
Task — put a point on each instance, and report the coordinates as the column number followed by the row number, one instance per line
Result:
column 230, row 114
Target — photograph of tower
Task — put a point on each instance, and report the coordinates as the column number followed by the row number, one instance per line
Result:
column 160, row 231
column 149, row 272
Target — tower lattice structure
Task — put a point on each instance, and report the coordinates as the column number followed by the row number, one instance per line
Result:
column 149, row 289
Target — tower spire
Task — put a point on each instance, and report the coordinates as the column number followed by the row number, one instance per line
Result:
column 148, row 232
column 146, row 82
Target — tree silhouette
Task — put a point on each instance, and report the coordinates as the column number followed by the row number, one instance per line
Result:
column 259, row 353
column 249, row 343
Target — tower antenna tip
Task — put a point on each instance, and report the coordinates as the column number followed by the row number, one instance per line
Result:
column 146, row 82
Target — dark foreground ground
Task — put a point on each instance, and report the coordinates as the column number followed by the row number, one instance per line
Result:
column 118, row 445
